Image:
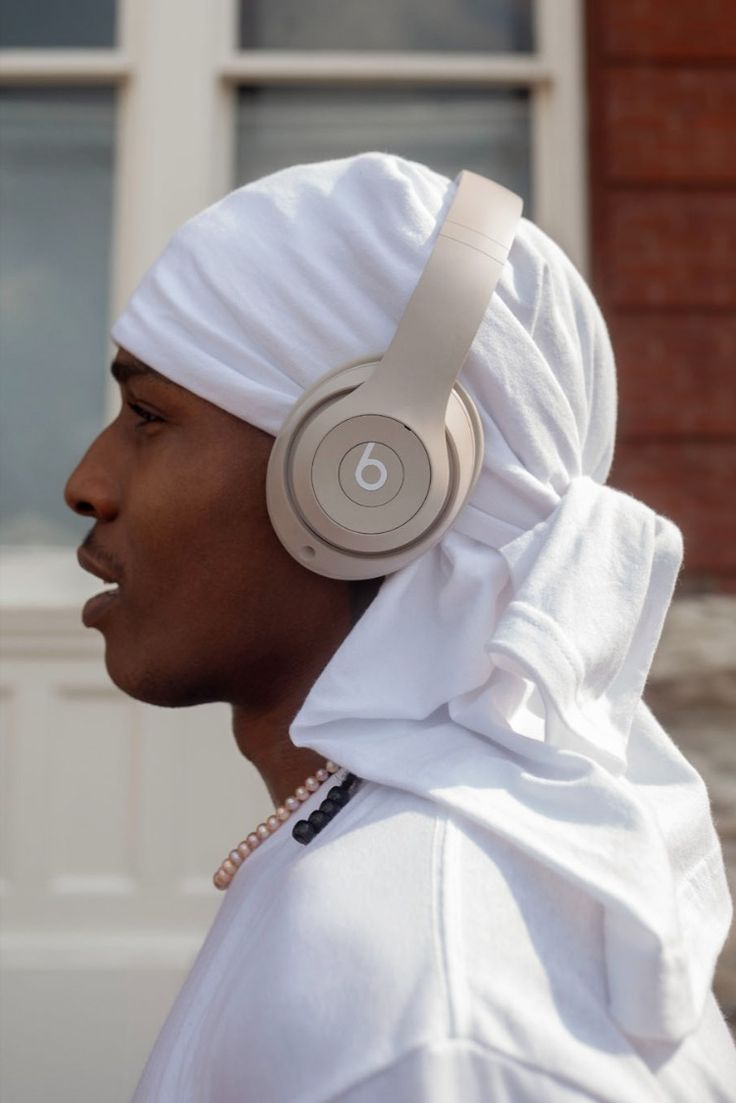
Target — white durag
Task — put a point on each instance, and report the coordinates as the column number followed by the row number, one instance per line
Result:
column 500, row 674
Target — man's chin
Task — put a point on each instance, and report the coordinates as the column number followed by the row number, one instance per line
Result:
column 154, row 686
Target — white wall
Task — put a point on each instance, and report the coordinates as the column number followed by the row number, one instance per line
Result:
column 114, row 817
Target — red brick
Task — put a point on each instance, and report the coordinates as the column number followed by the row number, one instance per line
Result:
column 677, row 375
column 662, row 163
column 724, row 583
column 704, row 29
column 665, row 249
column 693, row 484
column 669, row 125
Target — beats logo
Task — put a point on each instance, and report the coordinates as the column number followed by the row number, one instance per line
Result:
column 374, row 481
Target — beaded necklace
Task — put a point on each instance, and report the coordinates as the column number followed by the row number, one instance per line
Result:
column 303, row 831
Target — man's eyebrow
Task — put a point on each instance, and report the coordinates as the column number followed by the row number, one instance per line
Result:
column 122, row 371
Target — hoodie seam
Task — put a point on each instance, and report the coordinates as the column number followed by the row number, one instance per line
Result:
column 488, row 1052
column 446, row 904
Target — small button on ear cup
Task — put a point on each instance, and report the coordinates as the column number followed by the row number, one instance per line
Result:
column 371, row 474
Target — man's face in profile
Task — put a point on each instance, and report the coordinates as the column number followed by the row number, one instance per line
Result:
column 210, row 605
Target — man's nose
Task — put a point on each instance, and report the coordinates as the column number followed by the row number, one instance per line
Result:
column 92, row 489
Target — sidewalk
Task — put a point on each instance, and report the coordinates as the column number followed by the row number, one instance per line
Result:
column 692, row 691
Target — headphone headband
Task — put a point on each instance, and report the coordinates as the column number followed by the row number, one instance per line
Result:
column 445, row 310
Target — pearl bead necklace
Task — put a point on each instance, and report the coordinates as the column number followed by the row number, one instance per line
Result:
column 229, row 867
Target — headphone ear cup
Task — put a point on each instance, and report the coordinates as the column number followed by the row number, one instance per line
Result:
column 356, row 494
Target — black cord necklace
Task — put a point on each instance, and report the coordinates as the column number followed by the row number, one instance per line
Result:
column 339, row 795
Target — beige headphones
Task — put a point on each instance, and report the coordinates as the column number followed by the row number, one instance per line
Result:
column 376, row 460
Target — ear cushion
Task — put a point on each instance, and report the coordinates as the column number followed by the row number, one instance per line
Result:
column 355, row 493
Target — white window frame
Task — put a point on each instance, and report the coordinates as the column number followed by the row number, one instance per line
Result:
column 177, row 69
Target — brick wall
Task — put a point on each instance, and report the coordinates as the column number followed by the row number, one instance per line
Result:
column 662, row 150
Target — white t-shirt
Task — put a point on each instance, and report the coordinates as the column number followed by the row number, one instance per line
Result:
column 404, row 955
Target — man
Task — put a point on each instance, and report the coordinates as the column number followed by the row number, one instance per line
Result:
column 523, row 898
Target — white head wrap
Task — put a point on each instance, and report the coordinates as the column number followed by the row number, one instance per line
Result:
column 501, row 673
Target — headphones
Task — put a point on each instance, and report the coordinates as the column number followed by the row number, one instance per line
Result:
column 376, row 460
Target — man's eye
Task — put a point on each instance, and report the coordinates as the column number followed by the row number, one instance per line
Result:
column 145, row 415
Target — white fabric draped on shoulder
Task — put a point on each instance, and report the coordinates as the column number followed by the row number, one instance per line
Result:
column 501, row 673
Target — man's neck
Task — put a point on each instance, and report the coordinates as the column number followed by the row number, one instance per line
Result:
column 261, row 729
column 264, row 740
column 261, row 724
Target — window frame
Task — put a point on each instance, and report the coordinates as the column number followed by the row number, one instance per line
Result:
column 177, row 69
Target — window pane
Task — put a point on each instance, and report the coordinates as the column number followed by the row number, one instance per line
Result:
column 494, row 25
column 56, row 163
column 486, row 131
column 45, row 23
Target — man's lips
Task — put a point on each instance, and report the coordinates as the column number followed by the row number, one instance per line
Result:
column 99, row 605
column 93, row 566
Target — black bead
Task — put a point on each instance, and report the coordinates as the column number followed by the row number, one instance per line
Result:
column 303, row 832
column 330, row 807
column 350, row 784
column 318, row 820
column 338, row 795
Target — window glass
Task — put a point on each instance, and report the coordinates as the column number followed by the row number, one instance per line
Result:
column 493, row 25
column 449, row 129
column 56, row 165
column 49, row 23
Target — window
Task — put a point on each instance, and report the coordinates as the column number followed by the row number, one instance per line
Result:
column 493, row 26
column 492, row 86
column 449, row 128
column 47, row 23
column 56, row 173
